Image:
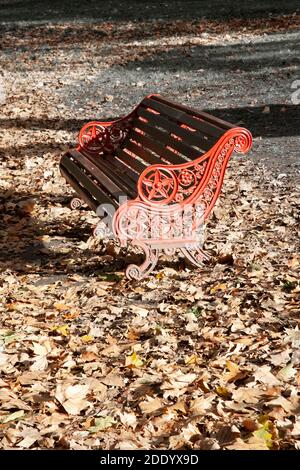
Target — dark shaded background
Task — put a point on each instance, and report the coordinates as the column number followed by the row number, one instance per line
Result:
column 134, row 10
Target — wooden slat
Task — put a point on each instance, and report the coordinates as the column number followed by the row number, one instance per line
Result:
column 134, row 163
column 160, row 128
column 110, row 186
column 89, row 185
column 206, row 129
column 193, row 138
column 188, row 152
column 178, row 115
column 141, row 151
column 115, row 166
column 119, row 166
column 160, row 149
column 201, row 114
column 80, row 191
column 115, row 174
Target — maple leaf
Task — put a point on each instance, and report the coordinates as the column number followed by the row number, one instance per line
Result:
column 247, row 395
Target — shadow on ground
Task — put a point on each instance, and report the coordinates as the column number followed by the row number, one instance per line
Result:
column 271, row 120
column 32, row 246
column 121, row 10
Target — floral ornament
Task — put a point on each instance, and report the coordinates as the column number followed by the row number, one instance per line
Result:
column 187, row 177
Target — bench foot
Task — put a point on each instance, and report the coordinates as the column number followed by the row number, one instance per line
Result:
column 101, row 231
column 195, row 255
column 76, row 203
column 136, row 272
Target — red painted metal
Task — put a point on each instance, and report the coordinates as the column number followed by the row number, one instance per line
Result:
column 97, row 137
column 164, row 192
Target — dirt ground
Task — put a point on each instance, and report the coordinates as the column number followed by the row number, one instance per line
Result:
column 201, row 359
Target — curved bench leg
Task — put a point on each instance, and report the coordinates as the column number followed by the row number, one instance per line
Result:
column 136, row 272
column 195, row 255
column 76, row 203
column 100, row 231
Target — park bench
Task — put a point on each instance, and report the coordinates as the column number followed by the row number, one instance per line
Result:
column 155, row 174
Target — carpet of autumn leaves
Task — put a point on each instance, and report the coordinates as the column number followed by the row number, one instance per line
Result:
column 186, row 359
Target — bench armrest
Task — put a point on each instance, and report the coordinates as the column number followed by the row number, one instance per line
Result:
column 200, row 179
column 98, row 137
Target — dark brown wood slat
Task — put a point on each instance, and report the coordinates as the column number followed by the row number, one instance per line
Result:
column 109, row 162
column 110, row 186
column 80, row 191
column 208, row 129
column 160, row 128
column 201, row 114
column 166, row 154
column 141, row 152
column 119, row 167
column 89, row 185
column 121, row 179
column 194, row 138
column 134, row 163
column 188, row 152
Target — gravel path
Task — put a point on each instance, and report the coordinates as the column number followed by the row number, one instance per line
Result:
column 92, row 61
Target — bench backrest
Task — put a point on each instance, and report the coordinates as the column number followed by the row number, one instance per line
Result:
column 165, row 132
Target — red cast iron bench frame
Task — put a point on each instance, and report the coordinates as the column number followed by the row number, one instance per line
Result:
column 169, row 161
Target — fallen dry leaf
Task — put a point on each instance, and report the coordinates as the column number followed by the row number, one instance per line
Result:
column 150, row 405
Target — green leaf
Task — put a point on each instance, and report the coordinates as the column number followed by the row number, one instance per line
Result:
column 195, row 311
column 13, row 416
column 110, row 277
column 102, row 423
column 10, row 338
column 134, row 360
column 288, row 286
column 264, row 434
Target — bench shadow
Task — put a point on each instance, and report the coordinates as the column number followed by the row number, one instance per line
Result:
column 29, row 245
column 22, row 232
column 273, row 120
column 270, row 120
column 23, row 249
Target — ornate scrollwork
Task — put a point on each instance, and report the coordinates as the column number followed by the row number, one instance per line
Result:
column 243, row 141
column 173, row 202
column 169, row 251
column 136, row 272
column 187, row 178
column 170, row 184
column 76, row 203
column 99, row 137
column 198, row 180
column 138, row 221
